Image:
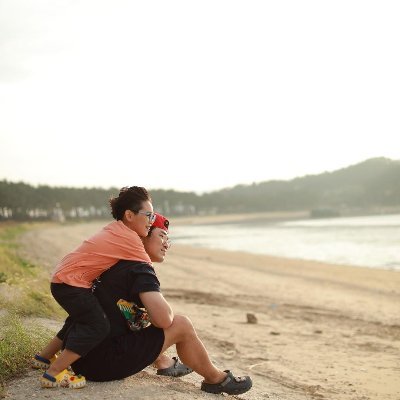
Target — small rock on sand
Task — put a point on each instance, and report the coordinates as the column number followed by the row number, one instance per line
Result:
column 251, row 318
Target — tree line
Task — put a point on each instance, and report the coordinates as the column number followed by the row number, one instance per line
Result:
column 372, row 184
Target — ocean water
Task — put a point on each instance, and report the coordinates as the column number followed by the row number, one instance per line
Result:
column 372, row 241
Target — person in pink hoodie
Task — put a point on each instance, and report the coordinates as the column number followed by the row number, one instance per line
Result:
column 72, row 280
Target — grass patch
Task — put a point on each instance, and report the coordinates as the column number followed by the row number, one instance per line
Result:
column 18, row 342
column 24, row 286
column 24, row 291
column 12, row 267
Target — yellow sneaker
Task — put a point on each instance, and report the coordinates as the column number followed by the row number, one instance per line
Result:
column 39, row 362
column 64, row 379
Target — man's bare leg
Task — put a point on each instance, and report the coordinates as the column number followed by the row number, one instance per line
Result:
column 191, row 350
column 163, row 361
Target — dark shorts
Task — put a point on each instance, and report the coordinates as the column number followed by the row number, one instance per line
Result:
column 121, row 356
column 86, row 325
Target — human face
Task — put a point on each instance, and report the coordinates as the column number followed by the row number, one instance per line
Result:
column 156, row 245
column 140, row 222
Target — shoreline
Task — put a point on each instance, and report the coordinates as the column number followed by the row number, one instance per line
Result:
column 271, row 216
column 243, row 225
column 292, row 259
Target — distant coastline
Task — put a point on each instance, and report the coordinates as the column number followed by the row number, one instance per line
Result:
column 217, row 219
column 363, row 241
column 277, row 216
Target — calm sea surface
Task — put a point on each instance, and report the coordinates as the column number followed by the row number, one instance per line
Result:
column 372, row 241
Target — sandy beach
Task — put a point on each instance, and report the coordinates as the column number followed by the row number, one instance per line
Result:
column 323, row 331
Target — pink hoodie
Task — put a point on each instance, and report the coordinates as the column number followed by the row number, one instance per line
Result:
column 97, row 254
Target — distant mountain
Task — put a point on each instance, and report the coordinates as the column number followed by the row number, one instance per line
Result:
column 370, row 186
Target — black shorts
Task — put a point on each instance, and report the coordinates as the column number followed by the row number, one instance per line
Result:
column 121, row 356
column 86, row 325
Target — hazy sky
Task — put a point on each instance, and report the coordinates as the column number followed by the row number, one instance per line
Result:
column 195, row 95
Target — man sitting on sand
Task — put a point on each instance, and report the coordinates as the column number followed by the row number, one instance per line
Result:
column 131, row 346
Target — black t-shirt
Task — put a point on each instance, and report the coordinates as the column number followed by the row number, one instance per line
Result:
column 125, row 280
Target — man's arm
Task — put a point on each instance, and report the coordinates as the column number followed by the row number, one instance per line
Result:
column 160, row 312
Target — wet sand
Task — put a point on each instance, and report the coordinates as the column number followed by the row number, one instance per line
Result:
column 323, row 332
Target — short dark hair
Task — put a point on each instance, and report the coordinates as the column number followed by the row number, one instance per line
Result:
column 129, row 198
